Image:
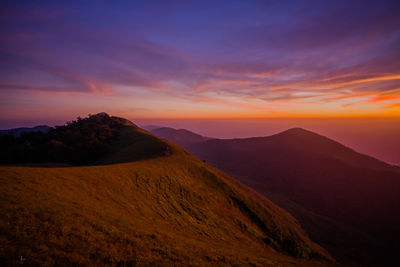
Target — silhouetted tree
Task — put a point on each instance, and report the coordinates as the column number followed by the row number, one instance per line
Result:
column 78, row 142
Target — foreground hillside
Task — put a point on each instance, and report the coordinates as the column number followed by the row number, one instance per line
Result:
column 168, row 210
column 347, row 202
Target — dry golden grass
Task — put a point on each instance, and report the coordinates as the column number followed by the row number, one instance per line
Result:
column 170, row 210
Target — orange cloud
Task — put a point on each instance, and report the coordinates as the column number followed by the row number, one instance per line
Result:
column 384, row 98
column 394, row 106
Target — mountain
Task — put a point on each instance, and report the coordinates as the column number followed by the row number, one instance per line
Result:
column 150, row 127
column 20, row 131
column 181, row 137
column 159, row 207
column 348, row 202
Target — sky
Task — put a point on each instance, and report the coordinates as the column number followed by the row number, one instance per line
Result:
column 198, row 59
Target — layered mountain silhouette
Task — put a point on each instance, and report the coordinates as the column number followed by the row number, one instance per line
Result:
column 348, row 202
column 139, row 200
column 181, row 137
column 20, row 131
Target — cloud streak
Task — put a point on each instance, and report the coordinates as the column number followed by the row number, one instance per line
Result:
column 274, row 57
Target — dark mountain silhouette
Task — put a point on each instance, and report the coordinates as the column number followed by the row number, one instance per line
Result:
column 348, row 202
column 160, row 207
column 181, row 137
column 150, row 127
column 97, row 139
column 19, row 131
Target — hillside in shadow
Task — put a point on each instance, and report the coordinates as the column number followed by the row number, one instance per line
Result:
column 348, row 202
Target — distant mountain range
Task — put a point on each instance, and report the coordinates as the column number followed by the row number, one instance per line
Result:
column 348, row 202
column 181, row 137
column 137, row 201
column 19, row 131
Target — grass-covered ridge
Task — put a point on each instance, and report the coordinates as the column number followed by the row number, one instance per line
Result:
column 168, row 210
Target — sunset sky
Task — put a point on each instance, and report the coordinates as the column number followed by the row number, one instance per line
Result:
column 209, row 59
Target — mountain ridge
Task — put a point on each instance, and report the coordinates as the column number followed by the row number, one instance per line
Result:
column 181, row 137
column 168, row 209
column 322, row 183
column 21, row 130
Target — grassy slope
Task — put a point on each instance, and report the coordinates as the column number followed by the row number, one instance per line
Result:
column 168, row 210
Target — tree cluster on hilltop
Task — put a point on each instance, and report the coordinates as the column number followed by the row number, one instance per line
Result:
column 78, row 142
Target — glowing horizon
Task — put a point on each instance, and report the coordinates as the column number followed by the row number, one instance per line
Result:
column 200, row 60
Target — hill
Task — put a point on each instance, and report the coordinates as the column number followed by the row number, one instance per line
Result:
column 97, row 139
column 161, row 209
column 181, row 137
column 348, row 202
